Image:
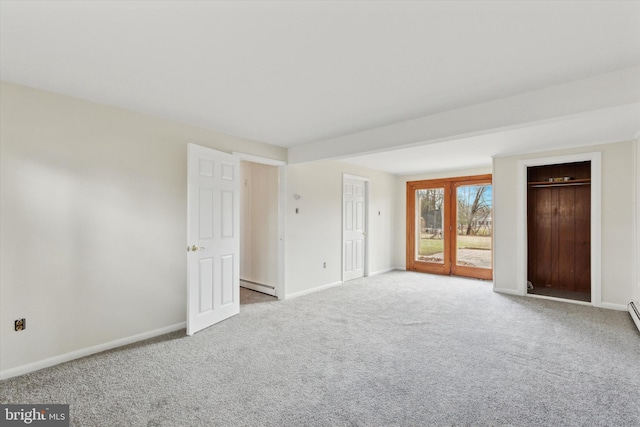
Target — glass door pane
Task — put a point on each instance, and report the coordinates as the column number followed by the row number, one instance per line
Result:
column 430, row 225
column 474, row 226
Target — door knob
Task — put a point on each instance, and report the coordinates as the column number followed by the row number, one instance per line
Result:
column 195, row 248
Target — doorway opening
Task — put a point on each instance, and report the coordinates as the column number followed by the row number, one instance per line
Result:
column 450, row 226
column 259, row 229
column 559, row 230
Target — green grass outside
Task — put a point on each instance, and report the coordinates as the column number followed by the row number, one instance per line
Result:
column 474, row 242
column 430, row 246
column 434, row 246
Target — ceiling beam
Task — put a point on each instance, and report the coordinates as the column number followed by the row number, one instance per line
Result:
column 601, row 92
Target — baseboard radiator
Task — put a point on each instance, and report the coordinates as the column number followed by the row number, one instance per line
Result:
column 634, row 310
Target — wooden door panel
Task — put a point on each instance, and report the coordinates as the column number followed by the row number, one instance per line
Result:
column 583, row 239
column 541, row 254
column 558, row 227
column 554, row 247
column 566, row 238
column 545, row 243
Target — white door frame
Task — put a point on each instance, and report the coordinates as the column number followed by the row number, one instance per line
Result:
column 367, row 190
column 281, row 165
column 596, row 220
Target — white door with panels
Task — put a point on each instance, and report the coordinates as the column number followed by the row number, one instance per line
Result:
column 353, row 228
column 213, row 244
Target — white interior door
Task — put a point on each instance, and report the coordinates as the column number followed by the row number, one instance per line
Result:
column 354, row 231
column 213, row 237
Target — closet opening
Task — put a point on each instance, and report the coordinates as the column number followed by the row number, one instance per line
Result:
column 559, row 230
column 259, row 232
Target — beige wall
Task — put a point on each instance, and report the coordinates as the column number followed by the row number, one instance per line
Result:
column 314, row 235
column 618, row 201
column 401, row 207
column 93, row 222
column 637, row 253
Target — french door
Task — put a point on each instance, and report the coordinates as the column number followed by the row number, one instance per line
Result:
column 449, row 226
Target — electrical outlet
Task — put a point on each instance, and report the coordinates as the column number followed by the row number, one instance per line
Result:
column 324, row 264
column 20, row 325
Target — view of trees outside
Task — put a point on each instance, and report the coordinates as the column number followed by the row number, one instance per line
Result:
column 430, row 205
column 474, row 225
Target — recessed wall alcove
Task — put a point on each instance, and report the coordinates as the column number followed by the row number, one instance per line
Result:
column 559, row 228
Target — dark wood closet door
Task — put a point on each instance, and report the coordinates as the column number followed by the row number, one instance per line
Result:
column 559, row 242
column 582, row 244
column 540, row 214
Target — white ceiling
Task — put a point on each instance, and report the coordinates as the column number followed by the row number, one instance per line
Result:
column 293, row 73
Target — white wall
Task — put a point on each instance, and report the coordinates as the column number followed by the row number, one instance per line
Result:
column 314, row 235
column 618, row 201
column 93, row 222
column 401, row 205
column 259, row 224
column 637, row 253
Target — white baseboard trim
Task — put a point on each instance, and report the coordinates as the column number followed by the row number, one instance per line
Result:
column 611, row 306
column 570, row 301
column 254, row 286
column 507, row 291
column 386, row 270
column 606, row 305
column 77, row 354
column 634, row 310
column 312, row 290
